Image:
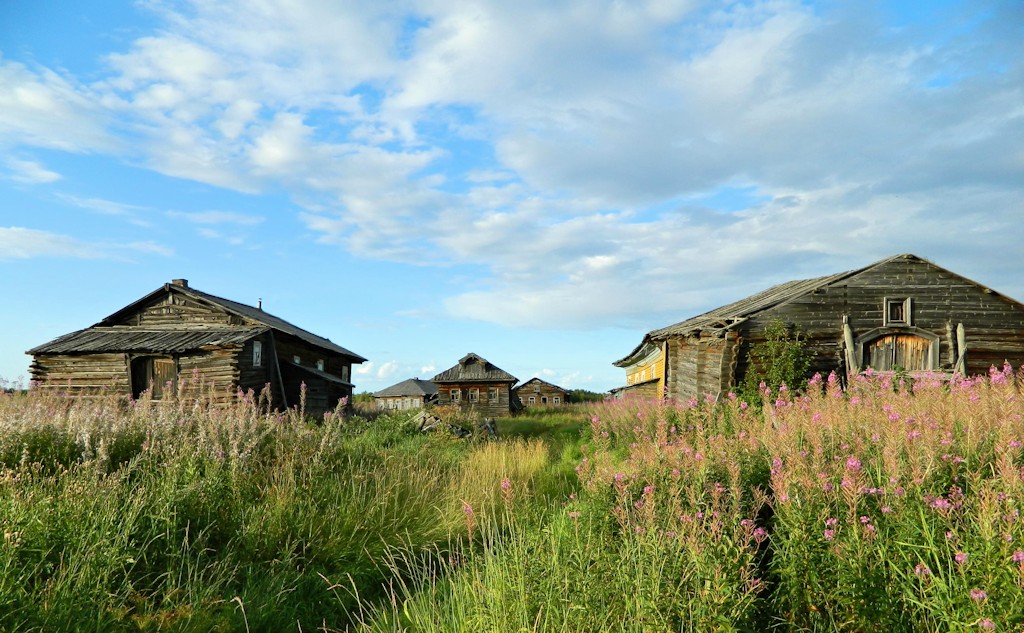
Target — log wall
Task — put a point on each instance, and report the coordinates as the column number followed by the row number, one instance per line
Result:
column 82, row 373
column 484, row 406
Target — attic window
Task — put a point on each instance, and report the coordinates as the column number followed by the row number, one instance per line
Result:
column 320, row 365
column 257, row 354
column 897, row 311
column 297, row 360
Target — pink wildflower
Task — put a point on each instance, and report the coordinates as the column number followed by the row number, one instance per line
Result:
column 1018, row 557
column 985, row 623
column 922, row 570
column 830, row 534
column 978, row 595
column 961, row 557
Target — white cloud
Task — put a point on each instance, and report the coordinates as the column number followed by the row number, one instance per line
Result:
column 216, row 217
column 608, row 131
column 29, row 172
column 101, row 205
column 21, row 243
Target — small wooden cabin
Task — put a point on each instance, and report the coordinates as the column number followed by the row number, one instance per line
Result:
column 536, row 392
column 903, row 312
column 408, row 394
column 477, row 384
column 177, row 333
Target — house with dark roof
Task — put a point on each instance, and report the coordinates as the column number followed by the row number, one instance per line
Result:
column 177, row 335
column 536, row 392
column 408, row 394
column 900, row 313
column 475, row 383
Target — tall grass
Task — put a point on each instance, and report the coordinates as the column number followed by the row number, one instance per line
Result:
column 180, row 515
column 893, row 505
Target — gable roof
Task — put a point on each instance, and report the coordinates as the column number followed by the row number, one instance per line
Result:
column 233, row 307
column 98, row 340
column 543, row 382
column 410, row 387
column 727, row 316
column 474, row 368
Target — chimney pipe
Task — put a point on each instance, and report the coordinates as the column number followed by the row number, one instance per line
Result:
column 259, row 303
column 180, row 282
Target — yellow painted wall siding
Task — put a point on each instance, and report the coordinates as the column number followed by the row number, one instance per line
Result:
column 649, row 370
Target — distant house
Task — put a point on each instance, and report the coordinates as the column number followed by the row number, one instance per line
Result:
column 408, row 394
column 902, row 312
column 537, row 392
column 179, row 333
column 476, row 383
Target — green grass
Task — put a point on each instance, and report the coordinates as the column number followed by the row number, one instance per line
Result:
column 829, row 511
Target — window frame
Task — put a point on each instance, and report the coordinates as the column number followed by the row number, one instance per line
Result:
column 904, row 304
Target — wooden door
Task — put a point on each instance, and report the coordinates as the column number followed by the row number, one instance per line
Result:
column 899, row 351
column 153, row 372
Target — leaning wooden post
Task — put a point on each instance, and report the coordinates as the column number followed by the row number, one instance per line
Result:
column 851, row 358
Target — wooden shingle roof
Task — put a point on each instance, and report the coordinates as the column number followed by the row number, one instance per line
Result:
column 730, row 315
column 474, row 368
column 411, row 387
column 130, row 339
column 247, row 312
column 543, row 382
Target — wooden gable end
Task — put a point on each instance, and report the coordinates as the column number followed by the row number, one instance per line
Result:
column 171, row 309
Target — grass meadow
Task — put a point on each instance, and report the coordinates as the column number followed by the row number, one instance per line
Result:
column 892, row 505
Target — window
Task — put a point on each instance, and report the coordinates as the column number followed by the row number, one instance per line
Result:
column 344, row 373
column 297, row 360
column 897, row 311
column 492, row 394
column 536, row 388
column 456, row 395
column 320, row 365
column 474, row 395
column 556, row 400
column 257, row 354
column 533, row 400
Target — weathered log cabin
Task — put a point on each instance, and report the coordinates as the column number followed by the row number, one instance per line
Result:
column 477, row 384
column 903, row 312
column 536, row 392
column 408, row 394
column 177, row 333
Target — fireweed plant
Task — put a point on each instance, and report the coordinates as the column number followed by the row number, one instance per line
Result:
column 892, row 505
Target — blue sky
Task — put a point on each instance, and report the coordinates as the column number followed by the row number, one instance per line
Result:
column 537, row 182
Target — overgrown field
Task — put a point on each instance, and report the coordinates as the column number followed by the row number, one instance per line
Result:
column 885, row 507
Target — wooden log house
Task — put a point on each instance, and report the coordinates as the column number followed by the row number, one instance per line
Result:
column 477, row 384
column 540, row 393
column 901, row 313
column 177, row 333
column 408, row 394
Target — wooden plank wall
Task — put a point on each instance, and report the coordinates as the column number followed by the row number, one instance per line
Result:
column 173, row 310
column 994, row 326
